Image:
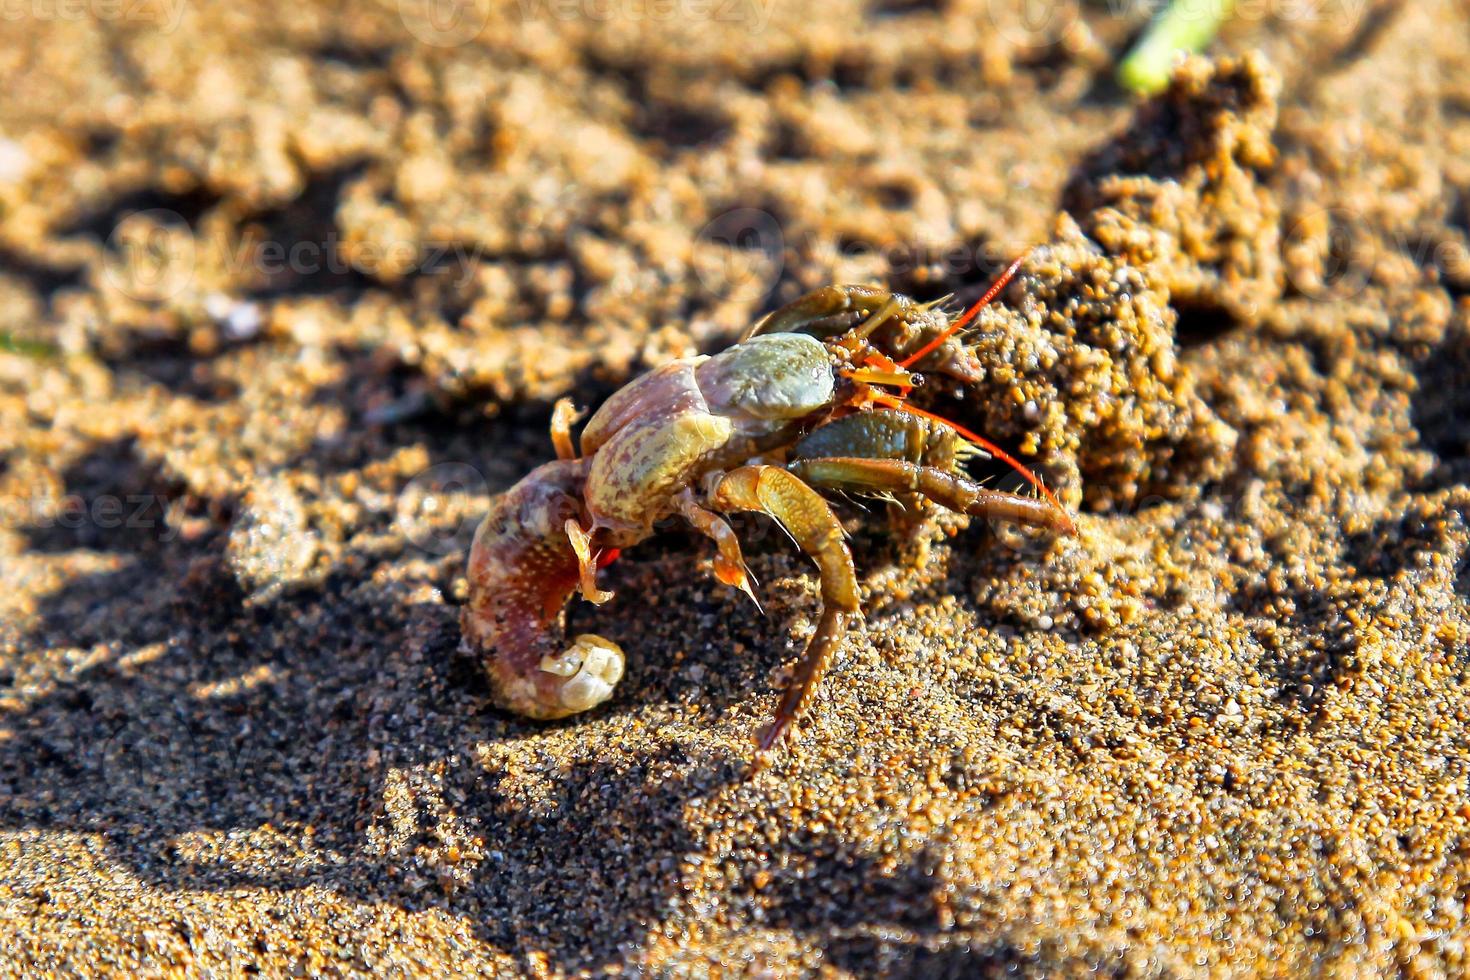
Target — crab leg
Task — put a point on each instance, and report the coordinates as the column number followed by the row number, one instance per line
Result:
column 897, row 452
column 729, row 561
column 825, row 312
column 581, row 543
column 950, row 490
column 563, row 414
column 812, row 525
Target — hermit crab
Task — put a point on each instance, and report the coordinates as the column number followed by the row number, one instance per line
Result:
column 813, row 398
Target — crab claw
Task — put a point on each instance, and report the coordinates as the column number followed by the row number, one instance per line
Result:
column 525, row 564
column 591, row 666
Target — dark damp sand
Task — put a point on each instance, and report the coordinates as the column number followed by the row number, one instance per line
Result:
column 1221, row 731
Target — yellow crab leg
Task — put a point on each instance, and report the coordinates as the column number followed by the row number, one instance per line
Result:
column 729, row 561
column 951, row 490
column 812, row 525
column 586, row 563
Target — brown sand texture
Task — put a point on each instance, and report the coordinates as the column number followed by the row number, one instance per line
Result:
column 286, row 294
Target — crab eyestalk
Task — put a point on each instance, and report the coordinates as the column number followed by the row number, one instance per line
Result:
column 894, row 379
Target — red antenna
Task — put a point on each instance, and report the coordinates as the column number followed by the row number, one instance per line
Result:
column 968, row 315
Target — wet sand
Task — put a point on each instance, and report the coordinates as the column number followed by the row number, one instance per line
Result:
column 286, row 295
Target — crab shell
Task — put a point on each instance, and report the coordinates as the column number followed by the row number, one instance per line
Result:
column 667, row 429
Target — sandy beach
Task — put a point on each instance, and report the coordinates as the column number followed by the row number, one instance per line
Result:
column 287, row 294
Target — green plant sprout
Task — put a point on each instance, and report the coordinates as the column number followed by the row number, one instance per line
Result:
column 11, row 344
column 1184, row 26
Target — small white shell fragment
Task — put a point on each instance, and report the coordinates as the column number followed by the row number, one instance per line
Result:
column 15, row 162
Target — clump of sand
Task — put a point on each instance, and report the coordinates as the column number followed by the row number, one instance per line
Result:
column 1168, row 225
